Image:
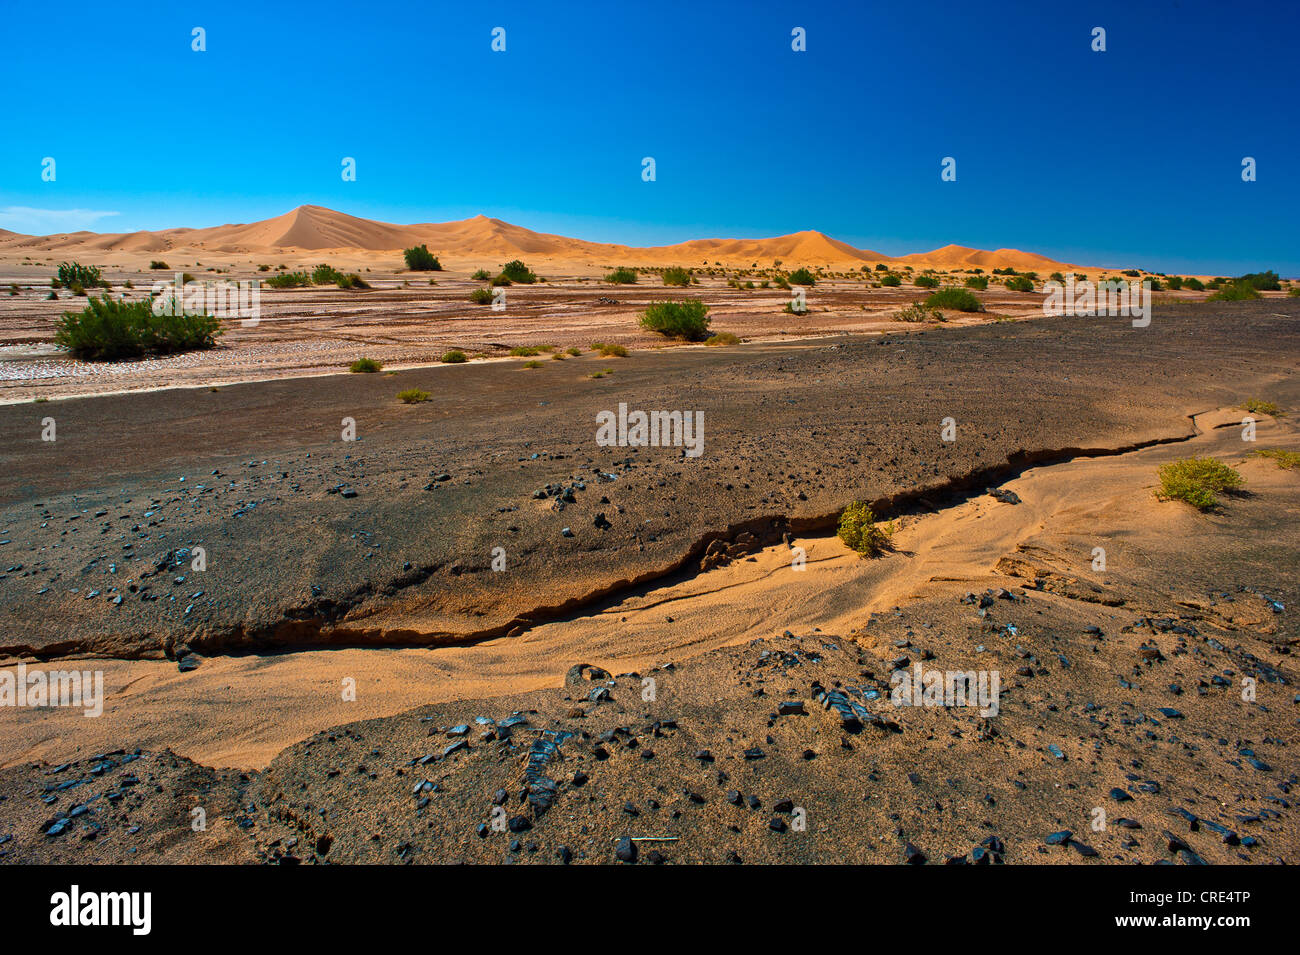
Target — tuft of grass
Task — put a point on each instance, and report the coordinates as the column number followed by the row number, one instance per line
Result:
column 859, row 530
column 1286, row 460
column 453, row 357
column 677, row 276
column 533, row 364
column 609, row 351
column 481, row 296
column 351, row 281
column 365, row 366
column 1020, row 283
column 1197, row 481
column 72, row 275
column 602, row 373
column 524, row 351
column 412, row 396
column 482, row 275
column 958, row 299
column 289, row 280
column 919, row 312
column 722, row 338
column 977, row 282
column 156, row 264
column 1260, row 406
column 622, row 276
column 688, row 319
column 573, row 350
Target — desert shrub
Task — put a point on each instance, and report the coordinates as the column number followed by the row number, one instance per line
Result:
column 1007, row 271
column 532, row 364
column 958, row 299
column 918, row 312
column 1195, row 284
column 926, row 281
column 573, row 350
column 890, row 280
column 790, row 308
column 263, row 268
column 109, row 329
column 722, row 338
column 1132, row 273
column 516, row 271
column 1020, row 283
column 1196, row 481
column 453, row 357
column 325, row 275
column 289, row 280
column 802, row 277
column 482, row 275
column 524, row 351
column 1293, row 291
column 365, row 366
column 155, row 264
column 1286, row 460
column 481, row 296
column 1262, row 281
column 882, row 267
column 677, row 276
column 687, row 319
column 501, row 280
column 781, row 283
column 609, row 351
column 52, row 296
column 602, row 373
column 1174, row 282
column 980, row 282
column 859, row 530
column 412, row 396
column 1235, row 292
column 622, row 276
column 420, row 259
column 352, row 281
column 74, row 275
column 1260, row 406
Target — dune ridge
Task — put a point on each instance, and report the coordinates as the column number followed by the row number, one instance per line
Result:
column 316, row 228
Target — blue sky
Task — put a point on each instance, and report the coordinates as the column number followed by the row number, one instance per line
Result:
column 1132, row 156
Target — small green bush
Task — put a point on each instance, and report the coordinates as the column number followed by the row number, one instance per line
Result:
column 1174, row 282
column 688, row 319
column 1020, row 283
column 859, row 530
column 352, row 281
column 365, row 366
column 1197, row 481
column 722, row 338
column 155, row 264
column 453, row 357
column 573, row 350
column 420, row 259
column 926, row 281
column 622, row 276
column 516, row 271
column 481, row 296
column 1286, row 460
column 524, row 351
column 482, row 275
column 1235, row 292
column 289, row 280
column 958, row 299
column 918, row 312
column 977, row 282
column 412, row 396
column 890, row 280
column 325, row 275
column 1262, row 281
column 532, row 364
column 677, row 276
column 609, row 351
column 112, row 329
column 73, row 274
column 1195, row 284
column 1260, row 406
column 802, row 277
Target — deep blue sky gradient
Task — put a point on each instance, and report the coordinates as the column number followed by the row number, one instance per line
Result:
column 1132, row 156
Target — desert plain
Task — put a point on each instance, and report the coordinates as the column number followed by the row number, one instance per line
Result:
column 464, row 630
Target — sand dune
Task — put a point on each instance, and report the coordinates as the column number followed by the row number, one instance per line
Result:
column 315, row 228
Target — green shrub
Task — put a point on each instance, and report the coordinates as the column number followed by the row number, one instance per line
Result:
column 482, row 275
column 958, row 299
column 859, row 530
column 72, row 275
column 802, row 277
column 1196, row 481
column 573, row 350
column 155, row 264
column 289, row 280
column 882, row 267
column 516, row 271
column 926, row 281
column 412, row 396
column 688, row 319
column 325, row 275
column 453, row 357
column 365, row 366
column 722, row 338
column 677, row 276
column 1260, row 406
column 1195, row 284
column 1174, row 282
column 890, row 280
column 532, row 364
column 110, row 329
column 609, row 351
column 481, row 296
column 1262, row 281
column 1286, row 460
column 1235, row 292
column 1293, row 291
column 1020, row 283
column 524, row 351
column 622, row 276
column 420, row 259
column 352, row 281
column 979, row 282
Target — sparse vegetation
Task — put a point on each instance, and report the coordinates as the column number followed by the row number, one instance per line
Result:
column 110, row 329
column 420, row 259
column 1235, row 292
column 722, row 338
column 453, row 357
column 482, row 275
column 289, row 280
column 1261, row 281
column 533, row 364
column 918, row 312
column 412, row 396
column 978, row 282
column 365, row 366
column 1260, row 406
column 609, row 351
column 622, row 276
column 352, row 280
column 73, row 276
column 926, row 281
column 325, row 275
column 858, row 530
column 1020, row 283
column 573, row 350
column 687, row 319
column 958, row 299
column 1198, row 481
column 802, row 277
column 676, row 276
column 516, row 271
column 1286, row 460
column 156, row 264
column 890, row 280
column 481, row 296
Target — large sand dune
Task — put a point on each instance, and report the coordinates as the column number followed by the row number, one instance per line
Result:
column 313, row 228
